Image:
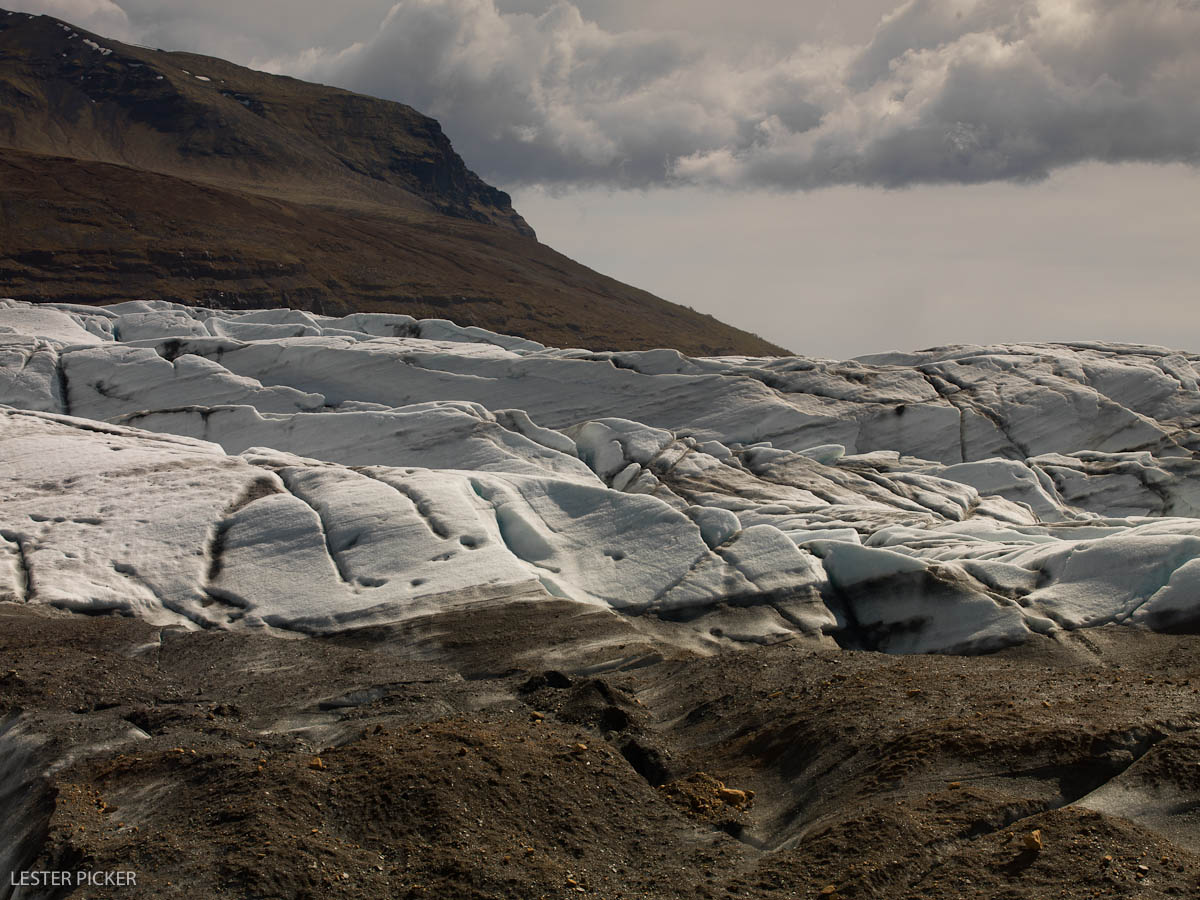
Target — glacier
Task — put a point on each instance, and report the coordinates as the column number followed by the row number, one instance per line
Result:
column 306, row 474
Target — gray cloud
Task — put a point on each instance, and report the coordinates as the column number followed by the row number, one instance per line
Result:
column 625, row 94
column 944, row 91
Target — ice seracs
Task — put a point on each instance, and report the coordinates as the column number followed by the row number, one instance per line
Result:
column 280, row 469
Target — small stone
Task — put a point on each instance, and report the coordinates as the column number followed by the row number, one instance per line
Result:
column 537, row 716
column 829, row 890
column 732, row 796
column 1033, row 840
column 579, row 748
column 317, row 763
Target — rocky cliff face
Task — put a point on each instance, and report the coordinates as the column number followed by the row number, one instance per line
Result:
column 68, row 92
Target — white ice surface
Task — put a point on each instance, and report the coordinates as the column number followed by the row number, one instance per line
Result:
column 278, row 468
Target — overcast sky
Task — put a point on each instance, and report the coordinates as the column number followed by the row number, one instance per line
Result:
column 839, row 177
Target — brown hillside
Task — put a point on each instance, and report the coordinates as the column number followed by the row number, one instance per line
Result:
column 128, row 173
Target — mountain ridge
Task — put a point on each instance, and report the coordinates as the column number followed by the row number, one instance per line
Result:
column 234, row 127
column 277, row 192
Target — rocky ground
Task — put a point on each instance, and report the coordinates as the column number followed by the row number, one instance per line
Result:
column 537, row 750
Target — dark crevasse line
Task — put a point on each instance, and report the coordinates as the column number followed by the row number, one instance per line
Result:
column 339, row 564
column 62, row 384
column 25, row 583
column 214, row 550
column 420, row 504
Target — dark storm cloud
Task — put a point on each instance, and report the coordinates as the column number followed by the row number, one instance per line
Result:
column 573, row 93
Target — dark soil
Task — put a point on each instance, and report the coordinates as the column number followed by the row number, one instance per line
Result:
column 551, row 750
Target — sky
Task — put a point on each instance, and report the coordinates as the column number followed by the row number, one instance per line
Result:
column 840, row 178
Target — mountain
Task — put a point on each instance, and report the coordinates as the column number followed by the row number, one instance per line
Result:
column 131, row 174
column 296, row 605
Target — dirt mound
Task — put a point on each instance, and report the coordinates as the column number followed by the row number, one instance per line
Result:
column 436, row 761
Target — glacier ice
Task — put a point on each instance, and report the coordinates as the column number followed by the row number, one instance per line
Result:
column 284, row 470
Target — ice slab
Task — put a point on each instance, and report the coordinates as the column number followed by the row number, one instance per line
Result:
column 282, row 469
